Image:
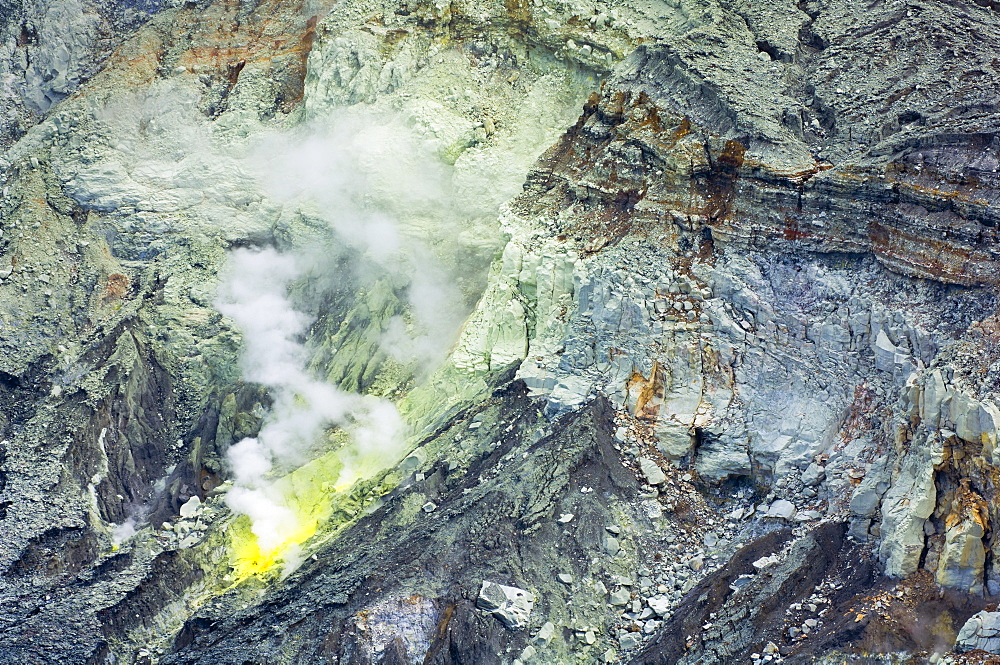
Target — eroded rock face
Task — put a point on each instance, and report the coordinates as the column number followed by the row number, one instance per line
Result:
column 512, row 606
column 50, row 48
column 727, row 273
column 980, row 632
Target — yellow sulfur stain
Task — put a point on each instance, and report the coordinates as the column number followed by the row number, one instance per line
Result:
column 316, row 493
column 308, row 493
column 248, row 558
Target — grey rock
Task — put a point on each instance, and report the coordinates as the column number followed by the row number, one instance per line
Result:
column 906, row 505
column 782, row 509
column 722, row 458
column 787, row 330
column 885, row 352
column 740, row 582
column 813, row 475
column 413, row 461
column 766, row 562
column 651, row 471
column 629, row 641
column 981, row 631
column 620, row 597
column 545, row 633
column 659, row 604
column 674, row 441
column 512, row 606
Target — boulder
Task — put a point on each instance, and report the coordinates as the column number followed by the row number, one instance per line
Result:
column 651, row 471
column 413, row 461
column 782, row 509
column 512, row 606
column 659, row 604
column 813, row 475
column 673, row 440
column 620, row 597
column 981, row 631
column 629, row 641
column 190, row 507
column 545, row 633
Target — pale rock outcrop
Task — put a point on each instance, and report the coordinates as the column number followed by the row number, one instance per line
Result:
column 512, row 606
column 723, row 457
column 981, row 631
column 943, row 406
column 523, row 305
column 673, row 440
column 906, row 506
column 722, row 245
column 963, row 556
column 867, row 497
column 975, row 421
column 944, row 415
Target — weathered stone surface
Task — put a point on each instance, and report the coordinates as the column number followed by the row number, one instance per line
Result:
column 782, row 508
column 719, row 460
column 512, row 606
column 905, row 507
column 963, row 556
column 981, row 631
column 674, row 441
column 620, row 597
column 765, row 245
column 651, row 471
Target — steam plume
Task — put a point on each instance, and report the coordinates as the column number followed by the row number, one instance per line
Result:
column 254, row 295
column 381, row 192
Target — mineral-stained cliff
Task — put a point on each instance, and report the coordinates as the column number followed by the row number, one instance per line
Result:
column 690, row 308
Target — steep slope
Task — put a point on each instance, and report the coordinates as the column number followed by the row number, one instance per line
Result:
column 719, row 386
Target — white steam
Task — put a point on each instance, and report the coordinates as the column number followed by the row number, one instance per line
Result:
column 122, row 532
column 254, row 295
column 383, row 192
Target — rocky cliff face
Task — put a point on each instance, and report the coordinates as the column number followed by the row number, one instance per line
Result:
column 689, row 310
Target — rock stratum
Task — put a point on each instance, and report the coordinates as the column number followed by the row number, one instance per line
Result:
column 558, row 331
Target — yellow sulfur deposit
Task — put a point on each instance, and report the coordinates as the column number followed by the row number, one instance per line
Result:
column 308, row 493
column 318, row 495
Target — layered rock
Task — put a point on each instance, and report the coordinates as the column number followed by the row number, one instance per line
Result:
column 750, row 284
column 980, row 632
